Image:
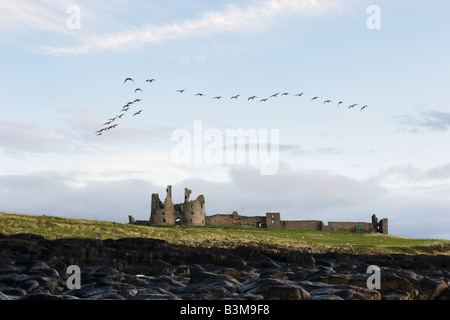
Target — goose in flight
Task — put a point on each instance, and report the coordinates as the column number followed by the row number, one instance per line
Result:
column 181, row 90
column 263, row 100
column 128, row 79
column 149, row 80
column 120, row 116
column 139, row 112
column 274, row 95
column 300, row 94
column 363, row 107
column 353, row 105
column 107, row 123
column 236, row 96
column 138, row 89
column 251, row 98
column 199, row 94
column 136, row 100
column 285, row 93
column 217, row 97
column 314, row 98
column 327, row 101
column 340, row 102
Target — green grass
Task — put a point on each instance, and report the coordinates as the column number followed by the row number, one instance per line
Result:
column 52, row 227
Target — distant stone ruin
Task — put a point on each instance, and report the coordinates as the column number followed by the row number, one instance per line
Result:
column 188, row 213
column 192, row 213
column 273, row 220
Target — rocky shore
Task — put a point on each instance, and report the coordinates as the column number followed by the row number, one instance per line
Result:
column 32, row 267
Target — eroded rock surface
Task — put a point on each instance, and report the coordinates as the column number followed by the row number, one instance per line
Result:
column 32, row 267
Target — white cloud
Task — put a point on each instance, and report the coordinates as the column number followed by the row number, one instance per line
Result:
column 51, row 16
column 18, row 136
column 53, row 193
column 232, row 19
column 433, row 120
column 23, row 15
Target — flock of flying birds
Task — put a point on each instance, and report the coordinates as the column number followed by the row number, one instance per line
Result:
column 111, row 123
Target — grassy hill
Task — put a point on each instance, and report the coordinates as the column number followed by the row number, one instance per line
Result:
column 53, row 227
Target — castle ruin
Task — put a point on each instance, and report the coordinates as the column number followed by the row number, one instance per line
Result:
column 189, row 213
column 192, row 213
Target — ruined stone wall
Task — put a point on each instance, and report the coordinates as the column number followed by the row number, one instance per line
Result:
column 350, row 226
column 303, row 225
column 383, row 226
column 235, row 220
column 272, row 220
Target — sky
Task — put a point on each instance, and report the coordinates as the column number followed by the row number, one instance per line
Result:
column 63, row 71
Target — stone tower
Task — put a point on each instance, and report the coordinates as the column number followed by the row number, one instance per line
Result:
column 273, row 220
column 162, row 213
column 189, row 213
column 193, row 211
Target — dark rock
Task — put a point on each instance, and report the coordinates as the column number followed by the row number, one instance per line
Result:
column 7, row 266
column 276, row 289
column 345, row 293
column 32, row 264
column 445, row 295
column 156, row 296
column 330, row 278
column 42, row 296
column 29, row 285
column 107, row 296
column 205, row 276
column 143, row 244
column 206, row 291
column 391, row 281
column 231, row 272
column 248, row 296
column 32, row 267
column 430, row 289
column 48, row 283
column 278, row 273
column 202, row 258
column 301, row 259
column 233, row 261
column 183, row 271
column 396, row 295
column 11, row 279
column 258, row 260
column 105, row 262
column 100, row 273
column 86, row 291
column 244, row 252
column 13, row 291
column 4, row 296
column 163, row 267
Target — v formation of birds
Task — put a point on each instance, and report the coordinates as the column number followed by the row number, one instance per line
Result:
column 111, row 123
